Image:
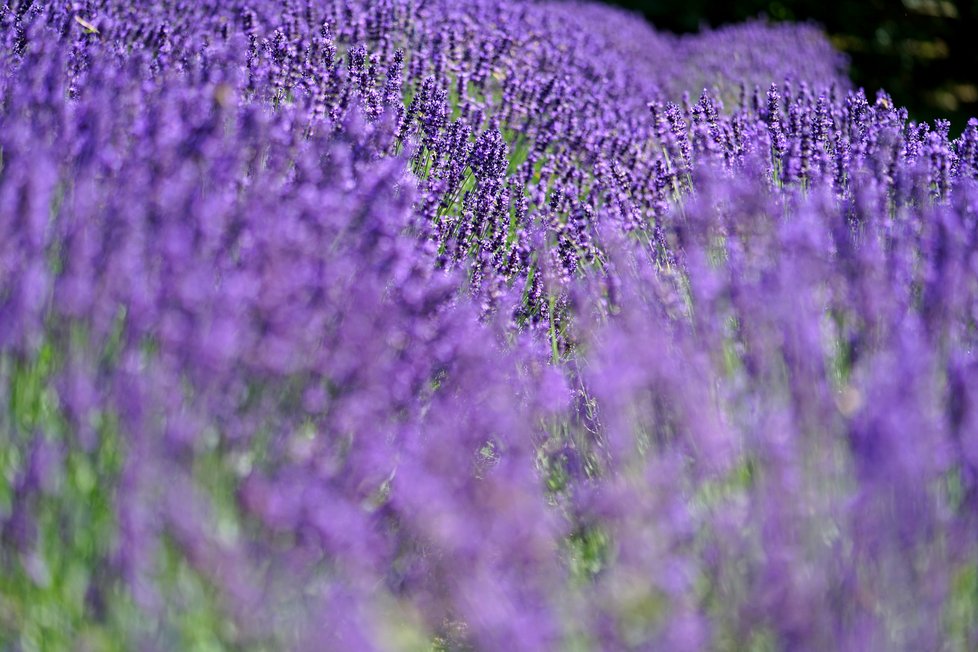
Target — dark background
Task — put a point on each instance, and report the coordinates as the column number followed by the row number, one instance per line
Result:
column 923, row 52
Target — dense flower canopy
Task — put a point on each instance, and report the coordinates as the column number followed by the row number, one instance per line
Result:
column 489, row 325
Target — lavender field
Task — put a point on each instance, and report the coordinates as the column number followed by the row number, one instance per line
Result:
column 488, row 325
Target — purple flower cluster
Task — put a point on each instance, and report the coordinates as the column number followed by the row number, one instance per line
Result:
column 406, row 324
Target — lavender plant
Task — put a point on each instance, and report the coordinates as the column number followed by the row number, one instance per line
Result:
column 412, row 325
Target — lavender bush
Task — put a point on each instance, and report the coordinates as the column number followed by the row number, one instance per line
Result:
column 483, row 325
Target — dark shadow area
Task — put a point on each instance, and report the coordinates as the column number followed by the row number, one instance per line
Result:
column 923, row 52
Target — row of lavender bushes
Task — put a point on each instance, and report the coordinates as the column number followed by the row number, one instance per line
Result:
column 429, row 324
